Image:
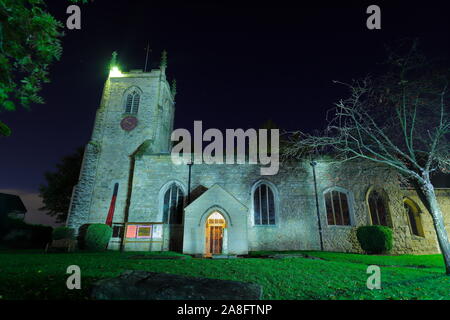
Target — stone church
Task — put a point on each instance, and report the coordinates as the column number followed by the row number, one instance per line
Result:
column 129, row 181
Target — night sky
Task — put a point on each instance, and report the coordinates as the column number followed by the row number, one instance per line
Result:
column 236, row 66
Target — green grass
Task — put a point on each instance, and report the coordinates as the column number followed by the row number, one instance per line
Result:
column 419, row 261
column 34, row 275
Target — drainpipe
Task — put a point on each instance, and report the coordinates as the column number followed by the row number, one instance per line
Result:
column 190, row 163
column 313, row 165
column 128, row 201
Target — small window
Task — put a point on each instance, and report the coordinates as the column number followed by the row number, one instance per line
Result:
column 132, row 102
column 378, row 209
column 263, row 205
column 338, row 211
column 117, row 230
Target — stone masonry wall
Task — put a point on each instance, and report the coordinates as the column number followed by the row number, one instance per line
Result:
column 296, row 227
column 107, row 160
column 82, row 193
column 296, row 221
column 409, row 243
column 107, row 157
column 361, row 178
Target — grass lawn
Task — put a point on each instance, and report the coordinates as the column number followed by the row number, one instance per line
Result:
column 35, row 275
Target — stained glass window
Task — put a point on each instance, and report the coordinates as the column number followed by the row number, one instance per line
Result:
column 378, row 210
column 264, row 205
column 173, row 205
column 337, row 207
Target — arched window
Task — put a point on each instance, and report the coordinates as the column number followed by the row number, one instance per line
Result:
column 173, row 205
column 378, row 208
column 413, row 214
column 132, row 102
column 263, row 205
column 338, row 209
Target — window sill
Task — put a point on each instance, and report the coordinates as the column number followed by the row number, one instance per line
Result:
column 137, row 239
column 340, row 226
column 265, row 225
column 124, row 115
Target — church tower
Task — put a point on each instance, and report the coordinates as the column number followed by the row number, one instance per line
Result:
column 136, row 112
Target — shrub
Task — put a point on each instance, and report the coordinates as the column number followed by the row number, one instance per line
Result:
column 82, row 236
column 63, row 233
column 375, row 239
column 17, row 238
column 18, row 234
column 97, row 236
column 40, row 236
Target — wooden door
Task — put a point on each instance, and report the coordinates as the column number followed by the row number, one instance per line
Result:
column 215, row 225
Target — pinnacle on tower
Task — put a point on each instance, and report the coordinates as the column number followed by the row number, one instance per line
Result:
column 174, row 88
column 114, row 70
column 113, row 62
column 164, row 60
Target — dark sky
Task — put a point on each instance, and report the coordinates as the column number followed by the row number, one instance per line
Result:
column 236, row 65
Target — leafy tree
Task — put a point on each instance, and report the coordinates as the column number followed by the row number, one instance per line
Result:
column 30, row 41
column 400, row 120
column 56, row 194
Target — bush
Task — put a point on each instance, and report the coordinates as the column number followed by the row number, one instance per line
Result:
column 63, row 233
column 97, row 236
column 20, row 235
column 17, row 238
column 40, row 236
column 375, row 239
column 81, row 238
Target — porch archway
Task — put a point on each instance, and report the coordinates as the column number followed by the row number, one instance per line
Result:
column 215, row 225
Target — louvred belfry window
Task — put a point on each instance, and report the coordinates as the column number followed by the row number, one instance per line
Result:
column 132, row 102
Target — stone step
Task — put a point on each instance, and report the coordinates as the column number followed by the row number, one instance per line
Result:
column 223, row 256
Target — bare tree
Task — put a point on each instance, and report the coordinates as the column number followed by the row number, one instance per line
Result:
column 400, row 120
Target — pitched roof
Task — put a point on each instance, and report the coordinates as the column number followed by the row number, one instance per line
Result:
column 217, row 192
column 10, row 203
